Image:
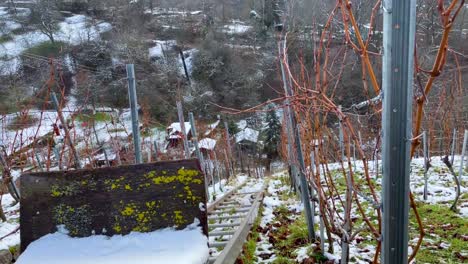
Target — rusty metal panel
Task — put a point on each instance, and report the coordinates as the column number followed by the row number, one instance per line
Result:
column 111, row 201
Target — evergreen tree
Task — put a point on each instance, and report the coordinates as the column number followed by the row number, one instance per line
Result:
column 272, row 135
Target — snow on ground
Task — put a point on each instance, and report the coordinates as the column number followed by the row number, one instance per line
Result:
column 188, row 246
column 74, row 30
column 160, row 47
column 236, row 27
column 11, row 210
column 220, row 189
column 172, row 12
column 441, row 190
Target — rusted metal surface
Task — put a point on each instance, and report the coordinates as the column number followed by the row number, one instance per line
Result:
column 111, row 201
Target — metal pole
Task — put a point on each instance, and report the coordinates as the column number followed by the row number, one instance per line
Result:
column 216, row 167
column 454, row 141
column 67, row 131
column 134, row 110
column 39, row 162
column 156, row 150
column 397, row 82
column 57, row 156
column 180, row 112
column 197, row 148
column 426, row 163
column 229, row 150
column 341, row 137
column 302, row 168
column 460, row 171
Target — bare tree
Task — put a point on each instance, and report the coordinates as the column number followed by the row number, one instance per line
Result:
column 45, row 17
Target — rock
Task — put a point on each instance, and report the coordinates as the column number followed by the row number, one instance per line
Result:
column 5, row 256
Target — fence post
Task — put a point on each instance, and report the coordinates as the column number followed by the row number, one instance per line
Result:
column 67, row 131
column 297, row 139
column 134, row 111
column 460, row 171
column 454, row 142
column 341, row 137
column 397, row 82
column 155, row 145
column 216, row 167
column 229, row 150
column 197, row 149
column 180, row 112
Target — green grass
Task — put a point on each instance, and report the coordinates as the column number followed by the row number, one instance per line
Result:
column 5, row 38
column 22, row 122
column 441, row 225
column 248, row 254
column 283, row 260
column 98, row 117
column 47, row 49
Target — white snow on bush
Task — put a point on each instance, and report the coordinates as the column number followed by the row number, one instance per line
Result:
column 188, row 246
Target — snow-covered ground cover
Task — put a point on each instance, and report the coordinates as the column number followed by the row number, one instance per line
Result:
column 9, row 230
column 188, row 246
column 282, row 221
column 236, row 27
column 73, row 30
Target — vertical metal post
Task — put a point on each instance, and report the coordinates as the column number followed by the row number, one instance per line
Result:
column 347, row 221
column 67, row 131
column 297, row 139
column 397, row 82
column 229, row 150
column 57, row 156
column 463, row 154
column 39, row 162
column 180, row 112
column 341, row 138
column 426, row 164
column 134, row 111
column 454, row 142
column 155, row 145
column 197, row 149
column 354, row 155
column 216, row 167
